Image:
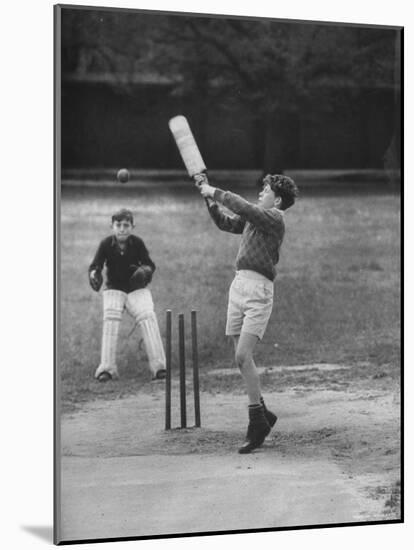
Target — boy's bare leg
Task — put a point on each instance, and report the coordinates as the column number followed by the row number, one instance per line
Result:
column 261, row 420
column 244, row 346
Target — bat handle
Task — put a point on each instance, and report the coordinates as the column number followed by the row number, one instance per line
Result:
column 201, row 175
column 208, row 200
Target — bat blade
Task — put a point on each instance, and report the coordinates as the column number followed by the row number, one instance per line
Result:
column 187, row 145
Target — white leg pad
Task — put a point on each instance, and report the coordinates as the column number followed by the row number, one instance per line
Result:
column 140, row 305
column 153, row 343
column 113, row 307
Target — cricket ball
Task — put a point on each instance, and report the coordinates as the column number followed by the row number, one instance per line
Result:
column 123, row 175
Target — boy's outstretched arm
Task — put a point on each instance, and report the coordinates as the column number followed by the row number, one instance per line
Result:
column 264, row 219
column 232, row 224
column 144, row 257
column 143, row 268
column 95, row 268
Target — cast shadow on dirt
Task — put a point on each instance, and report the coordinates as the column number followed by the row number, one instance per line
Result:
column 203, row 441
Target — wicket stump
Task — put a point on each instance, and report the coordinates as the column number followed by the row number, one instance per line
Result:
column 182, row 370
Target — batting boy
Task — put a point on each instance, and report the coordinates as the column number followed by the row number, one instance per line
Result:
column 251, row 292
column 129, row 270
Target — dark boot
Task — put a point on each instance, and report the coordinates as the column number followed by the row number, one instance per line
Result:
column 161, row 374
column 104, row 377
column 257, row 430
column 270, row 417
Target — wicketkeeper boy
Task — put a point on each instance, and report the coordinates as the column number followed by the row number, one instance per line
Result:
column 251, row 292
column 129, row 270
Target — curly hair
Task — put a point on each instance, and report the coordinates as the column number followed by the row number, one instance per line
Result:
column 123, row 214
column 283, row 187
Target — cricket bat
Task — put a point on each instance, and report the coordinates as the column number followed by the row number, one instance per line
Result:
column 187, row 145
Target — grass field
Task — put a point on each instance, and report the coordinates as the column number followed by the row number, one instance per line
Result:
column 337, row 290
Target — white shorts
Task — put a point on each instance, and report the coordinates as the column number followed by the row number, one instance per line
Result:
column 250, row 304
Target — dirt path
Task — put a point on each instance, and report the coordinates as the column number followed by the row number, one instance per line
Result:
column 333, row 458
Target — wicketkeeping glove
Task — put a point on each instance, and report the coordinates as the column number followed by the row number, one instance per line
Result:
column 141, row 277
column 95, row 280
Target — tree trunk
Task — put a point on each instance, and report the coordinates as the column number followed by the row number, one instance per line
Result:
column 258, row 141
column 274, row 143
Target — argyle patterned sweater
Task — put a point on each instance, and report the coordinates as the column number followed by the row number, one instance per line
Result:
column 262, row 231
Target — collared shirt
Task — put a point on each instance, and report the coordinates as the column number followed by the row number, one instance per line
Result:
column 120, row 263
column 262, row 231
